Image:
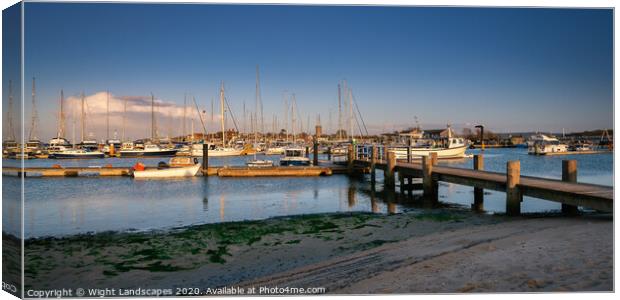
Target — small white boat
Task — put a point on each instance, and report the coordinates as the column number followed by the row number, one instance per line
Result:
column 258, row 163
column 177, row 167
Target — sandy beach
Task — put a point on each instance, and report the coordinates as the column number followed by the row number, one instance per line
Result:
column 447, row 250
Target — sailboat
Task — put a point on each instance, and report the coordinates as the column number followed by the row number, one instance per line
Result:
column 10, row 148
column 74, row 153
column 149, row 149
column 223, row 150
column 258, row 162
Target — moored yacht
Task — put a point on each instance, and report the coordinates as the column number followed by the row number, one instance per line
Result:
column 76, row 154
column 149, row 150
column 541, row 144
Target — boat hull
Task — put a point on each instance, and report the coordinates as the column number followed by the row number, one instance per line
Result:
column 175, row 172
column 286, row 163
column 76, row 156
column 161, row 153
column 442, row 153
column 218, row 153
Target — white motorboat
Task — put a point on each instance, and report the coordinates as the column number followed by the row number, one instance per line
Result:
column 177, row 167
column 196, row 150
column 541, row 144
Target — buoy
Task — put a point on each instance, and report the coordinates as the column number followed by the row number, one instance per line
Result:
column 138, row 167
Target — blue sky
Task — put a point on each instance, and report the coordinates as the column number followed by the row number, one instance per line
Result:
column 510, row 69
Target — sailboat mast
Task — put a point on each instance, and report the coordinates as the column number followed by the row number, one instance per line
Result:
column 61, row 125
column 152, row 117
column 107, row 119
column 35, row 116
column 83, row 120
column 124, row 117
column 259, row 100
column 285, row 114
column 223, row 114
column 293, row 116
column 350, row 115
column 257, row 97
column 184, row 115
column 339, row 113
column 10, row 112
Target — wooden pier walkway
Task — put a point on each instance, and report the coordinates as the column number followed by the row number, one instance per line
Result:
column 566, row 191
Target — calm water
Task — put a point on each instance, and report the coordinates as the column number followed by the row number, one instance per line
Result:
column 62, row 206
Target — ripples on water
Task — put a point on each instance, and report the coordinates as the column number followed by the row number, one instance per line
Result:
column 61, row 206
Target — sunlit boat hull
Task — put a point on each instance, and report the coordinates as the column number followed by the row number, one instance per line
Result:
column 442, row 153
column 176, row 172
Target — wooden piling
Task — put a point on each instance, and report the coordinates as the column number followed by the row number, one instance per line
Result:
column 409, row 151
column 205, row 158
column 433, row 158
column 350, row 159
column 112, row 150
column 373, row 162
column 389, row 172
column 329, row 153
column 513, row 194
column 478, row 192
column 307, row 152
column 430, row 186
column 569, row 174
column 315, row 149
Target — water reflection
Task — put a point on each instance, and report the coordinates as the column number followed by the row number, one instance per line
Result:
column 61, row 206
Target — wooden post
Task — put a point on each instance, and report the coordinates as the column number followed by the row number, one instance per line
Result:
column 307, row 152
column 315, row 148
column 329, row 153
column 350, row 159
column 433, row 158
column 373, row 162
column 513, row 194
column 205, row 158
column 569, row 174
column 409, row 151
column 478, row 192
column 389, row 172
column 430, row 186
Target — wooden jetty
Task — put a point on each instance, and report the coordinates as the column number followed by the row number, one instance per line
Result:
column 566, row 191
column 273, row 171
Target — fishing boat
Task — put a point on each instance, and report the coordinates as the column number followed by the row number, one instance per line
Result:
column 541, row 144
column 149, row 150
column 294, row 156
column 177, row 167
column 447, row 147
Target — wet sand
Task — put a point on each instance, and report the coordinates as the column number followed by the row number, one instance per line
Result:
column 447, row 250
